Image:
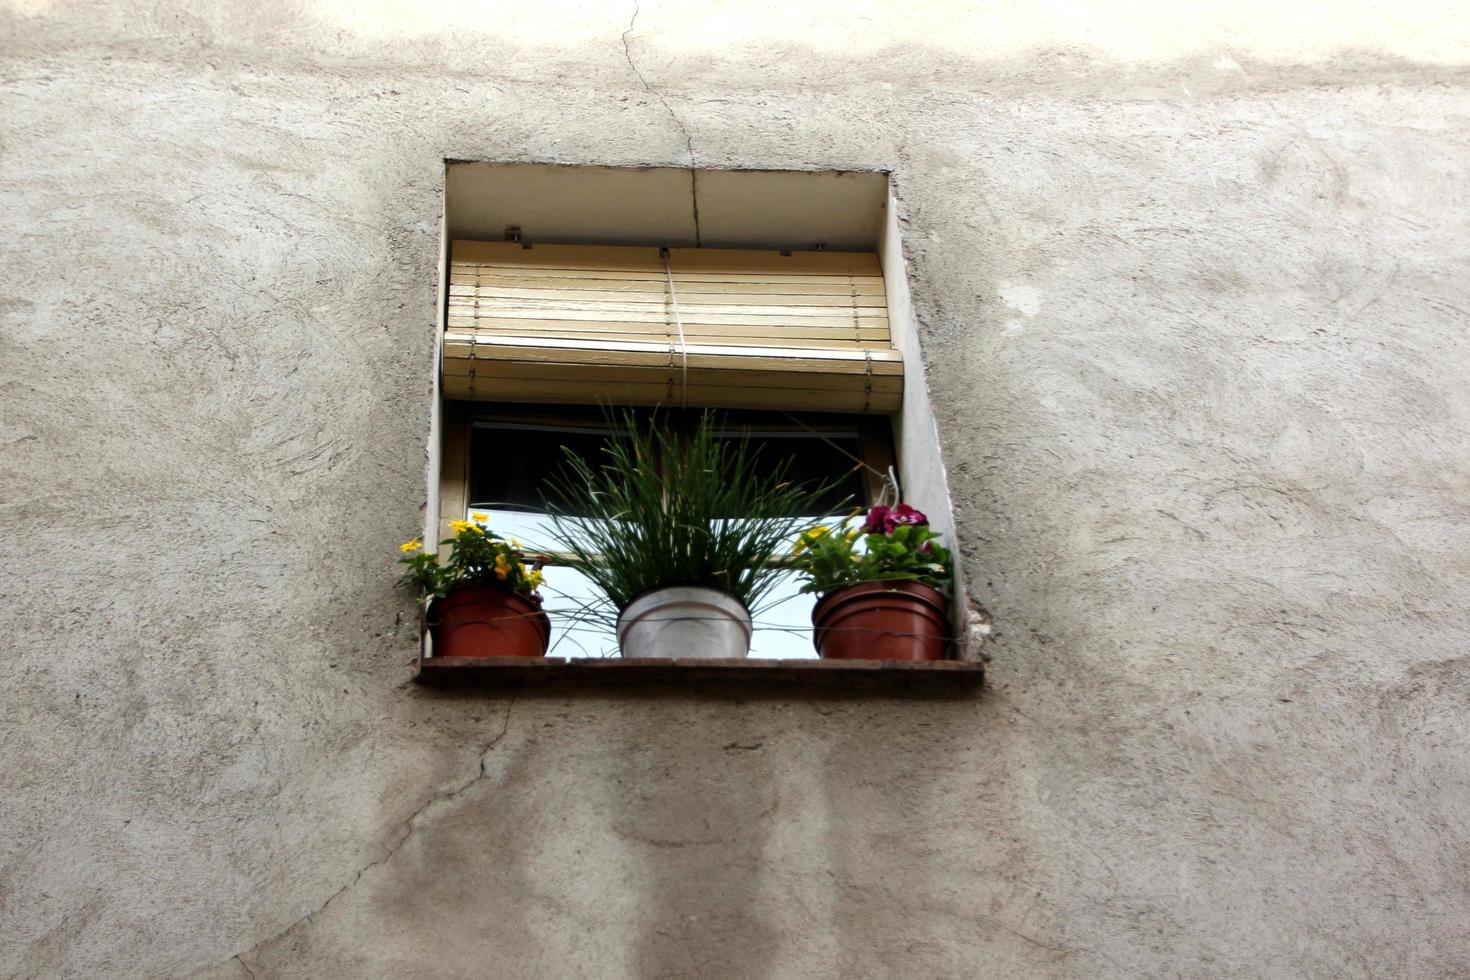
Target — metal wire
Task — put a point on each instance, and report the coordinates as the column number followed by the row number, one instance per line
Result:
column 890, row 479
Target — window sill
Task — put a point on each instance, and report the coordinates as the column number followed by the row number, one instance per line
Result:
column 495, row 672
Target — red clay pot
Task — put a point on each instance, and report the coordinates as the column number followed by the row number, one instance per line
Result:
column 882, row 621
column 483, row 621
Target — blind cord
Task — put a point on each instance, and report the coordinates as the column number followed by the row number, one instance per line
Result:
column 679, row 325
column 890, row 479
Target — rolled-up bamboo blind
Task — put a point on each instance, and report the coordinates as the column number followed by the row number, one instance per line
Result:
column 715, row 328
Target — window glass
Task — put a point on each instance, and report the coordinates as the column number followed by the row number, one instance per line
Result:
column 812, row 457
column 509, row 462
column 511, row 492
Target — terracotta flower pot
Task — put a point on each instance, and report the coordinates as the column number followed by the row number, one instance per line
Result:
column 882, row 621
column 482, row 621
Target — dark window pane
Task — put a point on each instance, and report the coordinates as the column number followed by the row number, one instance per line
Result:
column 509, row 463
column 814, row 460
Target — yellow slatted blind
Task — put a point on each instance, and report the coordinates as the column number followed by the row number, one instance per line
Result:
column 602, row 324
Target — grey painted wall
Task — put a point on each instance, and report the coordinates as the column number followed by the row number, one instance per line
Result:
column 1193, row 288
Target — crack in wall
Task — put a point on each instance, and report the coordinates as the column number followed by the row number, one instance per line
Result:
column 408, row 827
column 688, row 139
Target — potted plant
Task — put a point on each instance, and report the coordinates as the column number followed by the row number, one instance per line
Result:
column 482, row 600
column 883, row 587
column 678, row 532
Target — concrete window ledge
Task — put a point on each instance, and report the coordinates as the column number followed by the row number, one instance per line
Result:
column 499, row 672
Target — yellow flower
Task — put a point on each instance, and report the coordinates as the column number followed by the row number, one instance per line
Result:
column 809, row 537
column 477, row 516
column 460, row 526
column 413, row 545
column 502, row 567
column 534, row 580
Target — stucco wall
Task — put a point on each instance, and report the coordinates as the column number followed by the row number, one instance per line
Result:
column 1193, row 289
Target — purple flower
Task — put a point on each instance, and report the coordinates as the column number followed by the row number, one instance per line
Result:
column 880, row 521
column 904, row 514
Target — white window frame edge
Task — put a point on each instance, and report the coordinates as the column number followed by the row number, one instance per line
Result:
column 921, row 472
column 433, row 456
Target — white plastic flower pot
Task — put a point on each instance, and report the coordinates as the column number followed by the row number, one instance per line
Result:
column 683, row 622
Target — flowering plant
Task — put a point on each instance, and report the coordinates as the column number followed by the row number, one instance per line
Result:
column 476, row 557
column 893, row 544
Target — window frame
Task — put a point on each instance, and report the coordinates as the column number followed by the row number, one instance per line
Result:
column 874, row 434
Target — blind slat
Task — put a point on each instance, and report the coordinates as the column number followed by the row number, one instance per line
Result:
column 656, row 275
column 525, row 349
column 562, row 375
column 868, row 338
column 486, row 318
column 494, row 305
column 792, row 398
column 790, row 285
column 688, row 299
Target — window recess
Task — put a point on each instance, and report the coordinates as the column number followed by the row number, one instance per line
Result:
column 534, row 337
column 628, row 325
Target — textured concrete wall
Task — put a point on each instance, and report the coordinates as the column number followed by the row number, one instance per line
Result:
column 1194, row 290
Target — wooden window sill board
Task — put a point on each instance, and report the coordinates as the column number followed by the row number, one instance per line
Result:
column 493, row 672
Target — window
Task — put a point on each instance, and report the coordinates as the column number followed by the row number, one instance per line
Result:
column 820, row 448
column 780, row 295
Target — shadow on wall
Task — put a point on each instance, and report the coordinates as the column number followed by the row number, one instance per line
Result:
column 696, row 806
column 792, row 835
column 659, row 835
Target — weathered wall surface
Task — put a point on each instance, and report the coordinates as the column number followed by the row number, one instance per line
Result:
column 1194, row 295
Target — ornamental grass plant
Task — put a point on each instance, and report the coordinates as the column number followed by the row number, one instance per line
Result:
column 669, row 508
